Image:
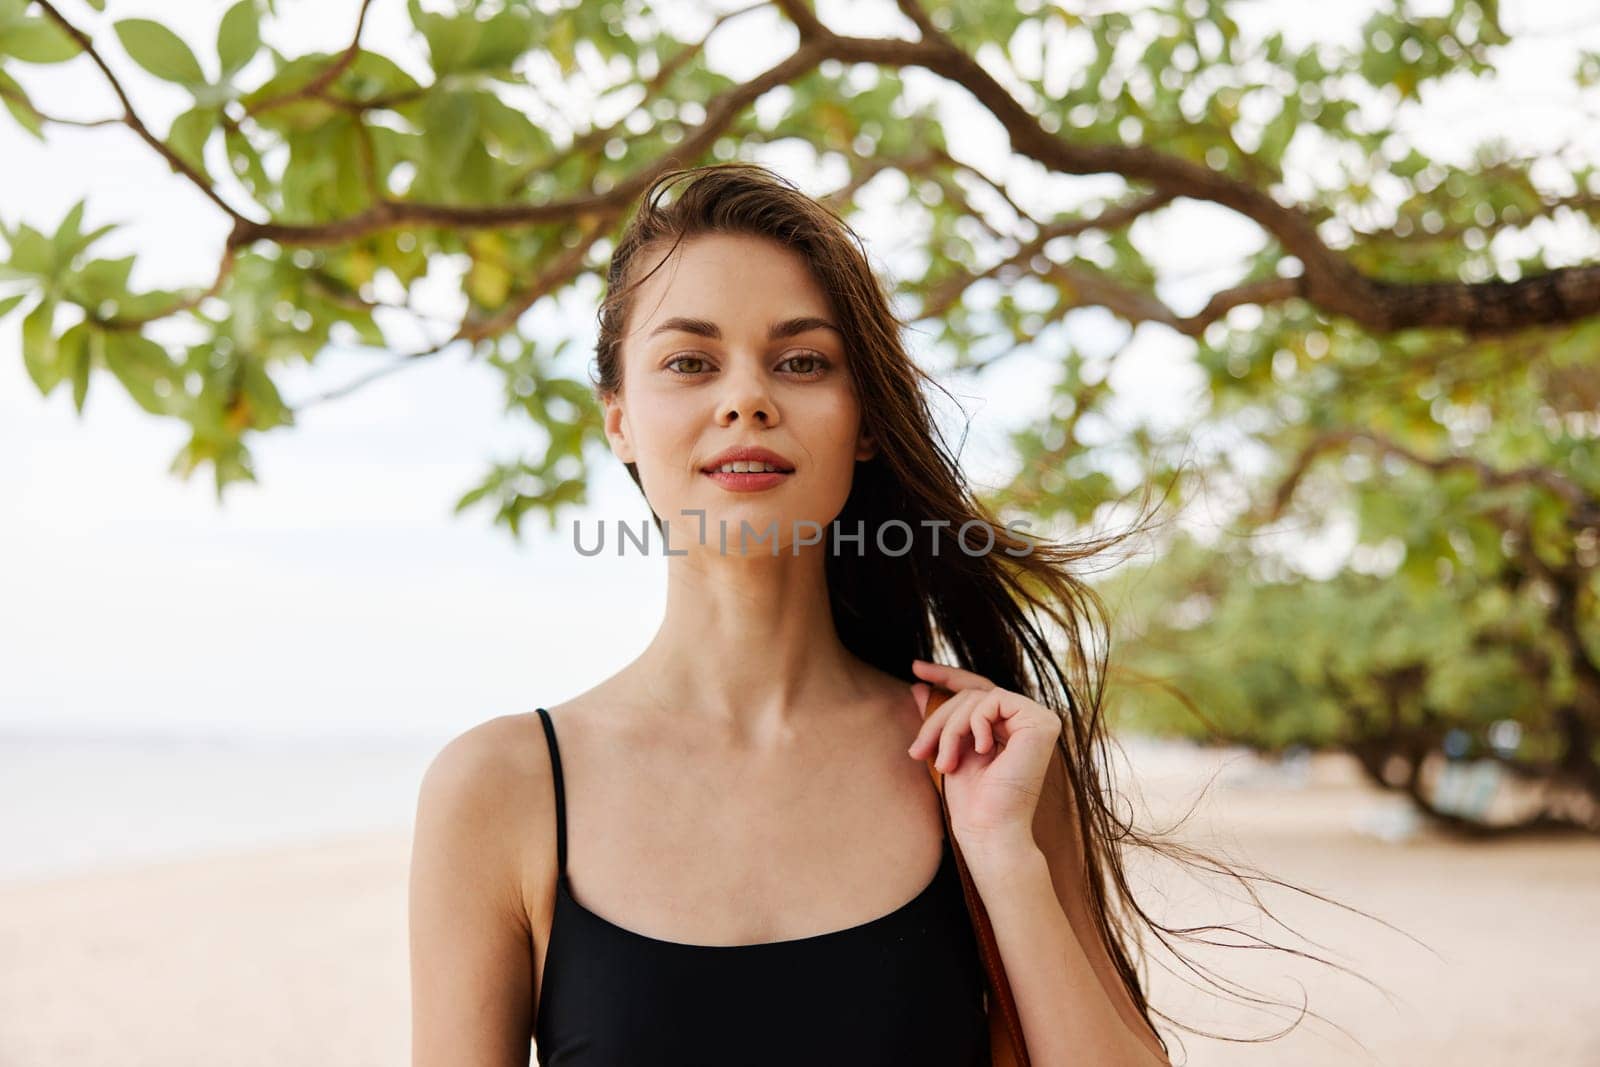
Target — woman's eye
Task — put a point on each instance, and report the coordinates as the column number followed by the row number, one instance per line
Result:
column 682, row 359
column 815, row 364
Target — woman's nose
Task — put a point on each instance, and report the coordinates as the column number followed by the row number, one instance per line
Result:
column 747, row 397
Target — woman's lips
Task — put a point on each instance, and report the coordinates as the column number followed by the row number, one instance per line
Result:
column 750, row 482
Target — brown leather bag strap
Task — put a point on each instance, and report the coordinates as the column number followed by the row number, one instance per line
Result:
column 1006, row 1046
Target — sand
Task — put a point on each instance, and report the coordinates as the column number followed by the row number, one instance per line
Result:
column 297, row 954
column 1505, row 972
column 283, row 956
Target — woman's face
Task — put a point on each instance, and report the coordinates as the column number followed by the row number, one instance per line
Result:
column 728, row 344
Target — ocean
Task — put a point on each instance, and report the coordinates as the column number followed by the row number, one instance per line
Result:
column 70, row 804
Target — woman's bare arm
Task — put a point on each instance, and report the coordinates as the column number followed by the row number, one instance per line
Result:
column 1055, row 828
column 471, row 966
column 1072, row 1008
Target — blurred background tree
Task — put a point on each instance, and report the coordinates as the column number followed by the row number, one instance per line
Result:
column 1403, row 364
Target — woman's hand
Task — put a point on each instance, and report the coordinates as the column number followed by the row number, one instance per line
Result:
column 993, row 746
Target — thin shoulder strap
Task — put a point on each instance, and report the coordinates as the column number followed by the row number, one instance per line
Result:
column 561, row 799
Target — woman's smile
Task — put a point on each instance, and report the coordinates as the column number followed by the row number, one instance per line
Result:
column 748, row 468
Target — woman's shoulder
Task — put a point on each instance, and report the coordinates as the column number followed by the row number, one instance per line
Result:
column 483, row 759
column 501, row 772
column 486, row 795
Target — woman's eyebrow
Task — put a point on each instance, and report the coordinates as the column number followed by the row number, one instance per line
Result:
column 778, row 330
column 803, row 324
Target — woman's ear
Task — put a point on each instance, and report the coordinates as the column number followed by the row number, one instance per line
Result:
column 616, row 427
column 866, row 446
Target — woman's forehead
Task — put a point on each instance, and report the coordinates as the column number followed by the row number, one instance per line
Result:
column 718, row 284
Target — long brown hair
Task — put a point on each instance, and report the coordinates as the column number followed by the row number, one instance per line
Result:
column 971, row 603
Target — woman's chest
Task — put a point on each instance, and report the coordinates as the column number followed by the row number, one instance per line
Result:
column 709, row 856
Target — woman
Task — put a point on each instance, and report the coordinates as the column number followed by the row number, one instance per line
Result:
column 731, row 850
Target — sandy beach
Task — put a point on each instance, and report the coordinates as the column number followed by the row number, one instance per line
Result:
column 297, row 954
column 1504, row 972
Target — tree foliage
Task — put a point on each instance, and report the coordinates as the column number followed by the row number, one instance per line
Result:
column 1399, row 358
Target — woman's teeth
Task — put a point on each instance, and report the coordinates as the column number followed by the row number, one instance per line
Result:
column 745, row 468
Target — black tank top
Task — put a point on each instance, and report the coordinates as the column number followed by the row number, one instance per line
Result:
column 906, row 987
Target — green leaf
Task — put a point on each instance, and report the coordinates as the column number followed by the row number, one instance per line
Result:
column 160, row 51
column 265, row 404
column 16, row 101
column 1588, row 71
column 37, row 40
column 154, row 304
column 291, row 77
column 69, row 239
column 501, row 41
column 511, row 133
column 98, row 281
column 67, row 234
column 561, row 42
column 39, row 346
column 245, row 160
column 74, row 359
column 239, row 36
column 32, row 253
column 450, row 123
column 140, row 363
column 80, row 361
column 451, row 41
column 189, row 134
column 488, row 282
column 371, row 75
column 9, row 303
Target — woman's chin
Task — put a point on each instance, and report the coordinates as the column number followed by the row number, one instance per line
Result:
column 722, row 525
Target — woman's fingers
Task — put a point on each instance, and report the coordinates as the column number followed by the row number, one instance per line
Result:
column 950, row 735
column 983, row 729
column 954, row 678
column 958, row 725
column 932, row 722
column 972, row 710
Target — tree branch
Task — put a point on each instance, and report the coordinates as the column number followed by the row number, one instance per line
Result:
column 390, row 214
column 555, row 274
column 326, row 77
column 1134, row 305
column 912, row 9
column 863, row 171
column 398, row 363
column 804, row 19
column 224, row 271
column 1328, row 280
column 22, row 101
column 652, row 90
column 1586, row 509
column 131, row 118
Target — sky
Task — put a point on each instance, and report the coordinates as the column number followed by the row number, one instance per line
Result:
column 340, row 595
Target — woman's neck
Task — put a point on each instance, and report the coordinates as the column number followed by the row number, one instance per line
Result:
column 748, row 647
